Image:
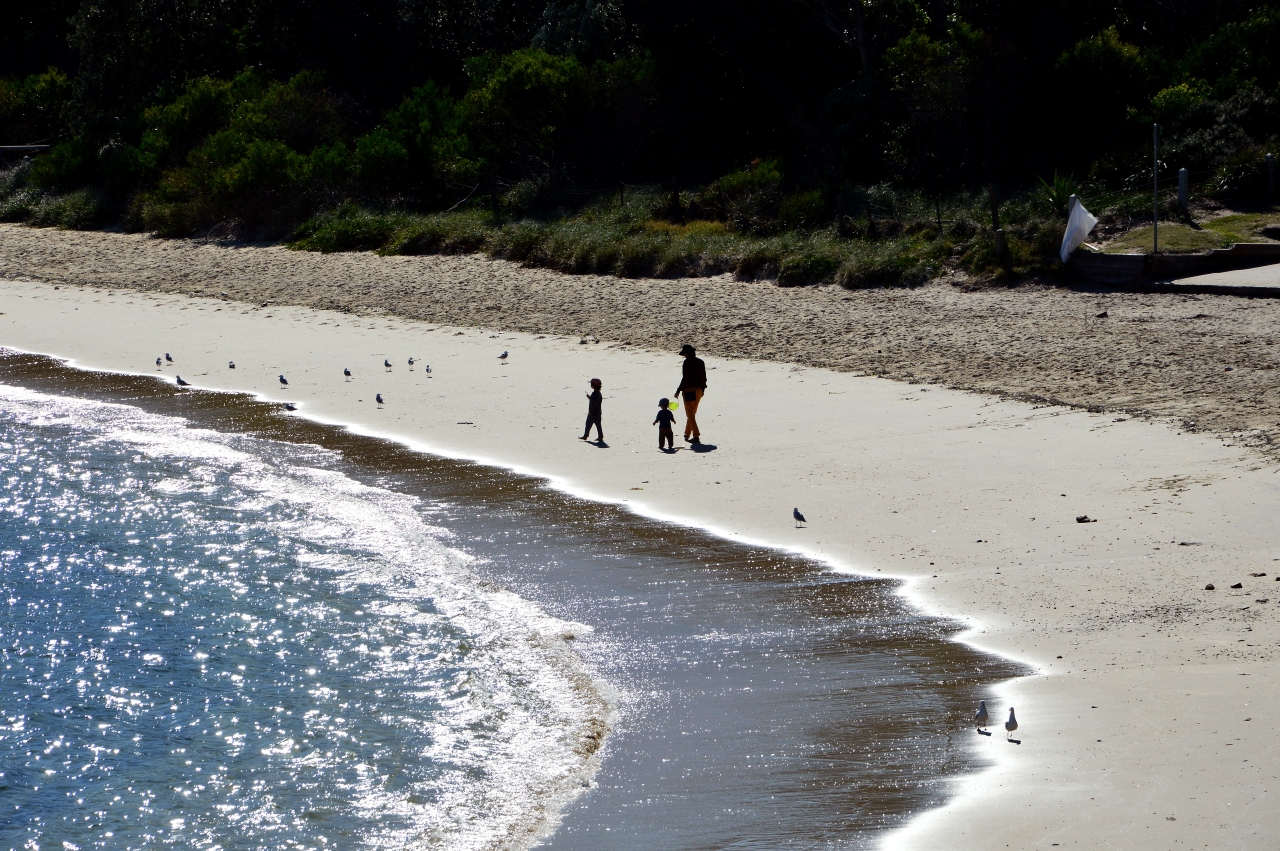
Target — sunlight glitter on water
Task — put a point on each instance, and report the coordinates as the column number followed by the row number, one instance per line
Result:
column 218, row 641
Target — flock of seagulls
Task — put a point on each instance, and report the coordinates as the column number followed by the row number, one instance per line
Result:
column 284, row 382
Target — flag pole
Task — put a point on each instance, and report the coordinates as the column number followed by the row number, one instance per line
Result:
column 1155, row 189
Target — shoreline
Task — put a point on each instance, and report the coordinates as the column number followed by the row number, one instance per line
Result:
column 644, row 624
column 872, row 458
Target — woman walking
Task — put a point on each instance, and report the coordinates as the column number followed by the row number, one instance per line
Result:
column 693, row 383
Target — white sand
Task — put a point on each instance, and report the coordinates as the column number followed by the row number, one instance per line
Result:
column 896, row 480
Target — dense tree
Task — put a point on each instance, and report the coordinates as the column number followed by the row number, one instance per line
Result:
column 415, row 101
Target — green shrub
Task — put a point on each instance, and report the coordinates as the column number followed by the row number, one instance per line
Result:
column 380, row 159
column 79, row 210
column 68, row 164
column 1054, row 196
column 803, row 210
column 883, row 270
column 346, row 229
column 807, row 267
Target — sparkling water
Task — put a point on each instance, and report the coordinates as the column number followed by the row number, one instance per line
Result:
column 217, row 641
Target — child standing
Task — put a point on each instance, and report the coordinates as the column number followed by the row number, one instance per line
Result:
column 664, row 422
column 594, row 402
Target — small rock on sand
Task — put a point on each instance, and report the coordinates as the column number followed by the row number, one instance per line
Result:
column 1238, row 585
column 1209, row 587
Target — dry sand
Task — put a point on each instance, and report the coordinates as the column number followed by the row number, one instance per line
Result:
column 1160, row 355
column 1149, row 722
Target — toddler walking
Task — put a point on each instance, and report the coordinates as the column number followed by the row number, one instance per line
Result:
column 664, row 422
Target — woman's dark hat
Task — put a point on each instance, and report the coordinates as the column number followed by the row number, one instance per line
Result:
column 687, row 350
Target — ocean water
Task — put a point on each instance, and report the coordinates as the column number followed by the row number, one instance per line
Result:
column 224, row 626
column 216, row 641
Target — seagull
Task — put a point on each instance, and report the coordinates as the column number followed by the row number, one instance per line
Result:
column 289, row 406
column 503, row 357
column 168, row 357
column 378, row 398
column 980, row 717
column 346, row 372
column 157, row 361
column 182, row 383
column 1010, row 726
column 284, row 382
column 410, row 363
column 427, row 369
column 387, row 364
column 798, row 517
column 231, row 365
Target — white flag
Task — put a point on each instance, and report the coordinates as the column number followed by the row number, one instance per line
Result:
column 1079, row 222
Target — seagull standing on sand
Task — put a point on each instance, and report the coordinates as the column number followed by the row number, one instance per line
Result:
column 284, row 382
column 1010, row 726
column 981, row 717
column 387, row 364
column 378, row 399
column 168, row 357
column 347, row 373
column 503, row 357
column 798, row 517
column 427, row 369
column 182, row 383
column 157, row 361
column 231, row 365
column 410, row 363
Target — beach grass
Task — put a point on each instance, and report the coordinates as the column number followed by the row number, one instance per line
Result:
column 898, row 239
column 1175, row 238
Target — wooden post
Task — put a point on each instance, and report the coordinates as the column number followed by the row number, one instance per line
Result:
column 995, row 206
column 1184, row 191
column 1271, row 179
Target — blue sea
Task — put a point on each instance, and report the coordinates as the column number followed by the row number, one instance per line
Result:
column 217, row 641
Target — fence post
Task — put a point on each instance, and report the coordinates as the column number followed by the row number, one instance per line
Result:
column 1271, row 179
column 1184, row 181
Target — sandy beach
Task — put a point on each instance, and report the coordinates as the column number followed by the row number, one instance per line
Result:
column 1144, row 678
column 1165, row 356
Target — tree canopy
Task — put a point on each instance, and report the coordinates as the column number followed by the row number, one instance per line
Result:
column 190, row 110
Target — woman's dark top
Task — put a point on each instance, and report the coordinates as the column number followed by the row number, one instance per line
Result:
column 594, row 401
column 695, row 375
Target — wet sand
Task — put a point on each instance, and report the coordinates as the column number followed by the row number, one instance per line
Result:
column 972, row 499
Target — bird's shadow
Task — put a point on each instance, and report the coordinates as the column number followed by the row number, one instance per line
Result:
column 1014, row 741
column 984, row 732
column 702, row 447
